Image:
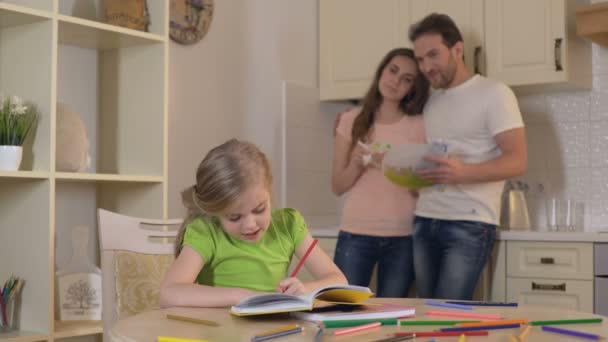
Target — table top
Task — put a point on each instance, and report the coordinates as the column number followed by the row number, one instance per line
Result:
column 149, row 325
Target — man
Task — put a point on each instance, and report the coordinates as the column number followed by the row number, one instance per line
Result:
column 480, row 122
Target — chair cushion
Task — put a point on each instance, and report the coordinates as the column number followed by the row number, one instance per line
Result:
column 138, row 278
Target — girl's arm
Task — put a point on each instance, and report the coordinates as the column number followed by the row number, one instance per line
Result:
column 178, row 288
column 347, row 167
column 319, row 264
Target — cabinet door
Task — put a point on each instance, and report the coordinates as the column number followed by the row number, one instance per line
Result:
column 353, row 36
column 556, row 293
column 525, row 40
column 468, row 16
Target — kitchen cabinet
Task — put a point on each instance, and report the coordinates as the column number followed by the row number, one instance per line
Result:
column 533, row 44
column 353, row 36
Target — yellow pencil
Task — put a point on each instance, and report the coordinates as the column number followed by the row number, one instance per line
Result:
column 522, row 337
column 192, row 320
column 177, row 339
column 277, row 330
column 462, row 338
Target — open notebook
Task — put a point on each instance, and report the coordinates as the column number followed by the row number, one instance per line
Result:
column 279, row 302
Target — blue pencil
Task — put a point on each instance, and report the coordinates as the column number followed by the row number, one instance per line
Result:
column 487, row 327
column 571, row 332
column 448, row 305
column 278, row 334
column 480, row 303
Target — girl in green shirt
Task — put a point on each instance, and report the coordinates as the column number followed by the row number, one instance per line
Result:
column 232, row 244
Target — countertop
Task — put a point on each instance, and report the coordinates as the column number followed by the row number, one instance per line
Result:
column 332, row 232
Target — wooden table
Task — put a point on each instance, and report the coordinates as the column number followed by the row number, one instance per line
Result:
column 147, row 326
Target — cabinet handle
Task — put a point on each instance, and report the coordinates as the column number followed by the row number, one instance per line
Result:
column 547, row 261
column 558, row 54
column 548, row 287
column 476, row 53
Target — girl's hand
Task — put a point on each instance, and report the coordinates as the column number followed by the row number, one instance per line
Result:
column 356, row 156
column 291, row 286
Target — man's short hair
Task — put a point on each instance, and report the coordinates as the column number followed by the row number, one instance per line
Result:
column 436, row 23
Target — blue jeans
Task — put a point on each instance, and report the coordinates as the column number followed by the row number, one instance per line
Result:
column 356, row 255
column 449, row 256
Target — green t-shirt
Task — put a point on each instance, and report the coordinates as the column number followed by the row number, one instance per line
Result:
column 230, row 262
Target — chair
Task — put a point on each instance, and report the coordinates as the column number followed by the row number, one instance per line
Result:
column 135, row 255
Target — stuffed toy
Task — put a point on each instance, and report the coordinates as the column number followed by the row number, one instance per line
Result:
column 72, row 141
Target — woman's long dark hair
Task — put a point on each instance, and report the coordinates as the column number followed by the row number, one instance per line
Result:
column 411, row 104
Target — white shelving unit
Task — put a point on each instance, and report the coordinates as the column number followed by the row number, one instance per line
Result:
column 116, row 78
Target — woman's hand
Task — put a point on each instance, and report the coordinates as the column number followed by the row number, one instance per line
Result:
column 357, row 157
column 291, row 286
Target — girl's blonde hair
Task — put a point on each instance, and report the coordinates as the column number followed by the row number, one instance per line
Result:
column 224, row 174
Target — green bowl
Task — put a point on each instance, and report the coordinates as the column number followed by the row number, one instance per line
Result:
column 406, row 178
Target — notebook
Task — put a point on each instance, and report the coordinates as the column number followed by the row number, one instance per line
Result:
column 279, row 302
column 355, row 312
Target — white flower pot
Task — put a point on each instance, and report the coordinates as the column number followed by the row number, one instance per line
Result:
column 10, row 157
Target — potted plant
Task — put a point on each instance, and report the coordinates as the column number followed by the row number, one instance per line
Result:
column 16, row 121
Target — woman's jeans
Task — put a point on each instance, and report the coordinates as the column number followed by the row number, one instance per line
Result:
column 356, row 255
column 449, row 256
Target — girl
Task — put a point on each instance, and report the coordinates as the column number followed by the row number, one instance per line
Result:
column 377, row 218
column 232, row 245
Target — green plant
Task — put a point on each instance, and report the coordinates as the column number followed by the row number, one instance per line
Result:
column 16, row 120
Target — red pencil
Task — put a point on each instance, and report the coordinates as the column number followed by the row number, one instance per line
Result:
column 442, row 333
column 301, row 263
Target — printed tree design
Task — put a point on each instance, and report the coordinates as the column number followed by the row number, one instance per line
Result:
column 81, row 293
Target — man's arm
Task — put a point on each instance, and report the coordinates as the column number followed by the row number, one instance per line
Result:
column 513, row 162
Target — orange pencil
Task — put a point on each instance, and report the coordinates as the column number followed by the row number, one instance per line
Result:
column 357, row 328
column 499, row 322
column 301, row 263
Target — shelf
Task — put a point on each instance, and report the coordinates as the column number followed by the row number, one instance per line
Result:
column 65, row 329
column 94, row 35
column 12, row 15
column 104, row 177
column 22, row 336
column 24, row 174
column 592, row 22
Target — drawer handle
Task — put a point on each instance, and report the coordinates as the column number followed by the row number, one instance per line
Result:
column 547, row 261
column 548, row 287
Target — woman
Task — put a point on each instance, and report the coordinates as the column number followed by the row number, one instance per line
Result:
column 377, row 217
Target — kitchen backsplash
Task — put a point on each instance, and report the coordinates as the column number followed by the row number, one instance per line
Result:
column 568, row 147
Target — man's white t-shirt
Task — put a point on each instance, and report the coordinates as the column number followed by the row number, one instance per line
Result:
column 466, row 118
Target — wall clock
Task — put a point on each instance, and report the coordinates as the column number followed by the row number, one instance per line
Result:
column 190, row 20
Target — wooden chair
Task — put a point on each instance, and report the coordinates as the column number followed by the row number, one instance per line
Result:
column 135, row 254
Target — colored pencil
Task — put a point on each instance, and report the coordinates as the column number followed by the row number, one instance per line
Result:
column 462, row 314
column 499, row 322
column 277, row 334
column 571, row 332
column 524, row 334
column 319, row 334
column 442, row 333
column 356, row 322
column 568, row 321
column 176, row 339
column 489, row 327
column 462, row 338
column 192, row 320
column 277, row 330
column 406, row 322
column 480, row 303
column 358, row 328
column 301, row 263
column 448, row 305
column 396, row 338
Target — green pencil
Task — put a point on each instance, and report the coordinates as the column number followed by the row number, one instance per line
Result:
column 406, row 322
column 567, row 321
column 355, row 322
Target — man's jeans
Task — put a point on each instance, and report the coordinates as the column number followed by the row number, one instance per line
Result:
column 449, row 256
column 356, row 255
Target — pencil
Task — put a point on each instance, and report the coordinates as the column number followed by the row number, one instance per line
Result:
column 568, row 321
column 524, row 334
column 480, row 303
column 462, row 338
column 357, row 328
column 489, row 327
column 192, row 320
column 176, row 339
column 448, row 305
column 499, row 322
column 277, row 334
column 396, row 338
column 356, row 322
column 442, row 333
column 462, row 314
column 277, row 330
column 405, row 322
column 571, row 332
column 301, row 263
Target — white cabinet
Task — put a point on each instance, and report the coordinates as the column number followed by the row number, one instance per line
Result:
column 353, row 36
column 468, row 15
column 557, row 274
column 534, row 43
